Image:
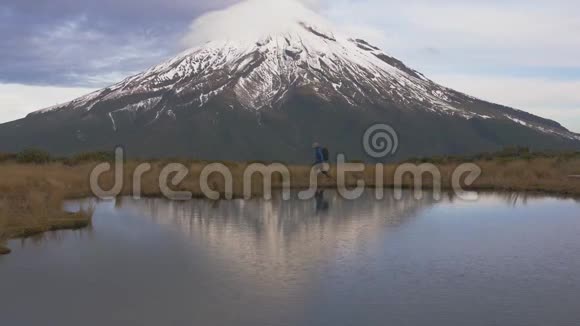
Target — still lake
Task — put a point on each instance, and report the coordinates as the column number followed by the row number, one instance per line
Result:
column 506, row 259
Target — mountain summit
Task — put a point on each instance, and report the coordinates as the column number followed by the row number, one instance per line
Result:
column 267, row 89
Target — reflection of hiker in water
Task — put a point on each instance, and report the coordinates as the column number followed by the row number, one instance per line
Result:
column 321, row 160
column 321, row 203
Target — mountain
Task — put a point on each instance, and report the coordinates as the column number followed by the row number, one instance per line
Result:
column 269, row 94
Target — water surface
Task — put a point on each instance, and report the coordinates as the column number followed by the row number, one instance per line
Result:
column 504, row 260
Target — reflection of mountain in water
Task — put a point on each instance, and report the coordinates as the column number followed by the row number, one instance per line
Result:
column 277, row 238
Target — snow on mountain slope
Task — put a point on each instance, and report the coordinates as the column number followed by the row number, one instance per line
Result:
column 257, row 66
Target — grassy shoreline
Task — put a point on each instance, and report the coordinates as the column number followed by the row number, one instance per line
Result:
column 31, row 195
column 31, row 205
column 67, row 221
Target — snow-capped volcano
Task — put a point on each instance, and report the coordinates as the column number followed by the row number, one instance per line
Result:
column 257, row 76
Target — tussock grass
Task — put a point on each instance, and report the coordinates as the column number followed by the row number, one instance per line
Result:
column 31, row 203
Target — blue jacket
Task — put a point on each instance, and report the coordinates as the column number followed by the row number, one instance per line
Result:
column 319, row 155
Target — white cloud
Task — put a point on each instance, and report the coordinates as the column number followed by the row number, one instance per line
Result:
column 476, row 32
column 250, row 20
column 16, row 101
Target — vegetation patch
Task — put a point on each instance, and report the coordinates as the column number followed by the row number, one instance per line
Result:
column 32, row 194
column 33, row 156
column 89, row 157
column 31, row 205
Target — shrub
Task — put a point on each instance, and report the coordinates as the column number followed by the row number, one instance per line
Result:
column 33, row 156
column 7, row 157
column 515, row 151
column 90, row 157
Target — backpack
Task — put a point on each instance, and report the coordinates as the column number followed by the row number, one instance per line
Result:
column 325, row 154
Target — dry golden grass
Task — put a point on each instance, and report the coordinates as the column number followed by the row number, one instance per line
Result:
column 549, row 175
column 31, row 202
column 31, row 195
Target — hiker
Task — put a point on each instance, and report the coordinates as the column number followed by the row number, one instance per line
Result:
column 321, row 159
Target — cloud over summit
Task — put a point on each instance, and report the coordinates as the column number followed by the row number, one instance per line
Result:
column 250, row 20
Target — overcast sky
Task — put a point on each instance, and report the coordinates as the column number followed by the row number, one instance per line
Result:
column 525, row 54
